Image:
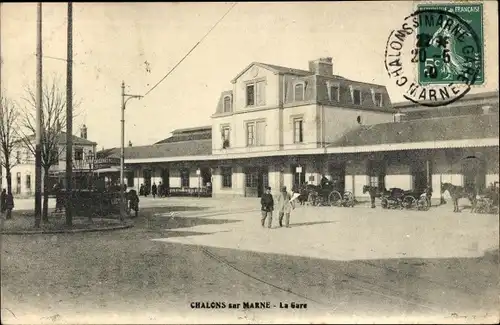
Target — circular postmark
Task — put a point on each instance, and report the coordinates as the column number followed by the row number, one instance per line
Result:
column 434, row 57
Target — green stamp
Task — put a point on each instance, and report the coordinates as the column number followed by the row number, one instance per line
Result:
column 450, row 47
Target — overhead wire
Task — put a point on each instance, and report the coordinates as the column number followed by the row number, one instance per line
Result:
column 190, row 51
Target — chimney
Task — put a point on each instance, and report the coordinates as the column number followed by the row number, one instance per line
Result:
column 83, row 132
column 321, row 66
column 130, row 143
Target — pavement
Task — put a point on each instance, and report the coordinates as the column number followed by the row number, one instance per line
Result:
column 347, row 264
column 347, row 234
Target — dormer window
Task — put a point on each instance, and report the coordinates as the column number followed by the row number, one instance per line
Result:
column 333, row 91
column 298, row 92
column 256, row 93
column 356, row 97
column 378, row 99
column 227, row 104
column 250, row 95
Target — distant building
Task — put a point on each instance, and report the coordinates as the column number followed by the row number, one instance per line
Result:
column 282, row 126
column 23, row 170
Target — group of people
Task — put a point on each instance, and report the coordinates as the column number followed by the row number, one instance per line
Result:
column 6, row 204
column 156, row 190
column 284, row 205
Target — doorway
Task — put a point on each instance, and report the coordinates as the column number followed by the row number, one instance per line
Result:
column 474, row 172
column 165, row 180
column 337, row 173
column 256, row 179
column 419, row 175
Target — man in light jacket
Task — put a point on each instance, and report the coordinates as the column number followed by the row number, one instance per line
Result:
column 284, row 207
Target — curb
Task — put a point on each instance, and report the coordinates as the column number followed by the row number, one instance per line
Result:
column 68, row 231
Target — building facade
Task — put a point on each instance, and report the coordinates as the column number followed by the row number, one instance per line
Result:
column 279, row 126
column 23, row 163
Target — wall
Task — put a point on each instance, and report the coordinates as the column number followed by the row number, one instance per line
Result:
column 310, row 126
column 237, row 123
column 272, row 88
column 339, row 120
column 27, row 167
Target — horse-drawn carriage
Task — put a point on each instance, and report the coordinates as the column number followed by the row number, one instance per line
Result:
column 325, row 195
column 397, row 198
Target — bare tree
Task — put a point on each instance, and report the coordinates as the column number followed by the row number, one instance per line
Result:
column 9, row 138
column 53, row 123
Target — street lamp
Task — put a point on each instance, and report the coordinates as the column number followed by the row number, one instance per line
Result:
column 125, row 99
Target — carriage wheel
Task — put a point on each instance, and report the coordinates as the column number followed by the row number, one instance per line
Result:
column 348, row 199
column 423, row 204
column 335, row 199
column 408, row 202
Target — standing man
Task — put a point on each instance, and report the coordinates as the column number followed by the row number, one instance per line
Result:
column 3, row 201
column 267, row 207
column 160, row 189
column 285, row 206
column 9, row 205
column 154, row 190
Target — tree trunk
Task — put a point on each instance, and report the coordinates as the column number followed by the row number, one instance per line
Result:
column 8, row 176
column 45, row 208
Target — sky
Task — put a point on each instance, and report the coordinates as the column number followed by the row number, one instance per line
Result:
column 113, row 41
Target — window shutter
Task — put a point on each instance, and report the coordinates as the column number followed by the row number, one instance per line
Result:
column 261, row 133
column 261, row 93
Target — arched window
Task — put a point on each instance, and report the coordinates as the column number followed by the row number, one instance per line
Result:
column 299, row 92
column 227, row 104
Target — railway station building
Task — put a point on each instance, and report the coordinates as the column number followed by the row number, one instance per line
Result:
column 277, row 126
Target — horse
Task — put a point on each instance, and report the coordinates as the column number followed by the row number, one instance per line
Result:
column 458, row 192
column 374, row 192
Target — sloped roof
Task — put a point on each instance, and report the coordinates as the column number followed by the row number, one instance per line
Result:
column 420, row 130
column 488, row 95
column 76, row 140
column 193, row 129
column 187, row 137
column 188, row 134
column 172, row 149
column 274, row 68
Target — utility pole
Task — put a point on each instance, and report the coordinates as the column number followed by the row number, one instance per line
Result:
column 122, row 153
column 69, row 119
column 38, row 133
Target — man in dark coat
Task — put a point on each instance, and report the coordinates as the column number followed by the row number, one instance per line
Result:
column 133, row 199
column 9, row 205
column 160, row 189
column 3, row 201
column 267, row 207
column 154, row 190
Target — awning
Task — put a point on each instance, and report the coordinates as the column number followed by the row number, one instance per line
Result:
column 110, row 170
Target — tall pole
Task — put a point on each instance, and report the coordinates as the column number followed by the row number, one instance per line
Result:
column 122, row 154
column 38, row 133
column 122, row 151
column 69, row 119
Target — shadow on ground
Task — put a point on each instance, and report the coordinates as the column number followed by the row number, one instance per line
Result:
column 302, row 224
column 165, row 223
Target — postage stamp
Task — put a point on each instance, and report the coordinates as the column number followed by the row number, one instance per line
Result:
column 436, row 54
column 441, row 64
